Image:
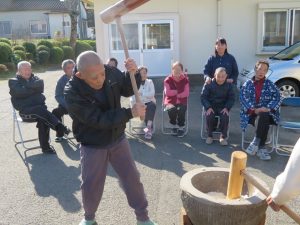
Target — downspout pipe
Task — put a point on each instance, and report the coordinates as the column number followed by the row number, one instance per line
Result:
column 219, row 23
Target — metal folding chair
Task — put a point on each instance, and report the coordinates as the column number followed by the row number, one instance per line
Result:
column 290, row 125
column 17, row 121
column 167, row 129
column 217, row 132
column 137, row 127
column 271, row 141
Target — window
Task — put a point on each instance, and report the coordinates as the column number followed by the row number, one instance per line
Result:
column 38, row 27
column 156, row 36
column 131, row 33
column 66, row 23
column 275, row 29
column 5, row 28
column 279, row 26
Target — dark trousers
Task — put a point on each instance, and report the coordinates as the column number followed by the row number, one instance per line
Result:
column 94, row 163
column 45, row 121
column 264, row 120
column 211, row 123
column 59, row 112
column 150, row 111
column 177, row 115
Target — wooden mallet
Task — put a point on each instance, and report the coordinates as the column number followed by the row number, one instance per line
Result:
column 115, row 12
column 237, row 175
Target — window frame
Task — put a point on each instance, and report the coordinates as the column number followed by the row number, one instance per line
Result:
column 41, row 22
column 6, row 21
column 290, row 8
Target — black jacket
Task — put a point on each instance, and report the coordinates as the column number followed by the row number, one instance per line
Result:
column 26, row 93
column 218, row 96
column 94, row 124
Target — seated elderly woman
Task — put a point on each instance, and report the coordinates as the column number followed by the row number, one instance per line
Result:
column 176, row 90
column 260, row 100
column 217, row 98
column 147, row 92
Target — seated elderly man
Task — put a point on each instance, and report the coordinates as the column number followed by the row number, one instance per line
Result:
column 27, row 97
column 93, row 101
column 260, row 100
column 67, row 66
column 217, row 98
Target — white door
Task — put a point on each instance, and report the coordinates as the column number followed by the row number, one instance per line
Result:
column 157, row 46
column 150, row 44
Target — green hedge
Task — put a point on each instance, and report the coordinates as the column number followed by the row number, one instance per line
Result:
column 91, row 43
column 56, row 55
column 43, row 48
column 68, row 52
column 43, row 57
column 30, row 47
column 46, row 43
column 5, row 40
column 19, row 47
column 21, row 55
column 6, row 52
column 82, row 46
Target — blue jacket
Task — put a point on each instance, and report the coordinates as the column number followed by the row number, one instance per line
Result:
column 227, row 61
column 59, row 90
column 270, row 98
column 217, row 96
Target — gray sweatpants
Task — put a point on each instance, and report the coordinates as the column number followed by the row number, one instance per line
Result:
column 94, row 163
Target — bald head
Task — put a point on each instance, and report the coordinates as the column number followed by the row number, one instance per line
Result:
column 87, row 59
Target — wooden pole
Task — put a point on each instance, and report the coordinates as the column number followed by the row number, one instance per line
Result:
column 251, row 179
column 235, row 180
column 125, row 47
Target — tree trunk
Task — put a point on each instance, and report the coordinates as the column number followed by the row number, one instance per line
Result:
column 73, row 35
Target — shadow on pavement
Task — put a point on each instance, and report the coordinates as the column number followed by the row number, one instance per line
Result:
column 52, row 177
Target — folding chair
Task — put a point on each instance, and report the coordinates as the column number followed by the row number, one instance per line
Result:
column 290, row 125
column 272, row 133
column 17, row 121
column 137, row 127
column 167, row 129
column 216, row 132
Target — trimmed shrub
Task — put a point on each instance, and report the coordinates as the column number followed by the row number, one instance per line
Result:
column 3, row 68
column 5, row 40
column 19, row 47
column 29, row 56
column 21, row 54
column 43, row 57
column 42, row 48
column 56, row 55
column 68, row 52
column 32, row 62
column 82, row 46
column 46, row 43
column 57, row 43
column 10, row 66
column 30, row 47
column 65, row 42
column 6, row 52
column 91, row 43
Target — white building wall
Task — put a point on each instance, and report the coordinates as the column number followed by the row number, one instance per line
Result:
column 198, row 28
column 21, row 22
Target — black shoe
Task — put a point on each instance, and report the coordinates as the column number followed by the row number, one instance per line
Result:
column 174, row 131
column 180, row 133
column 67, row 131
column 48, row 150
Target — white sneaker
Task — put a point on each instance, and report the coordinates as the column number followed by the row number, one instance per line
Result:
column 252, row 149
column 263, row 154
